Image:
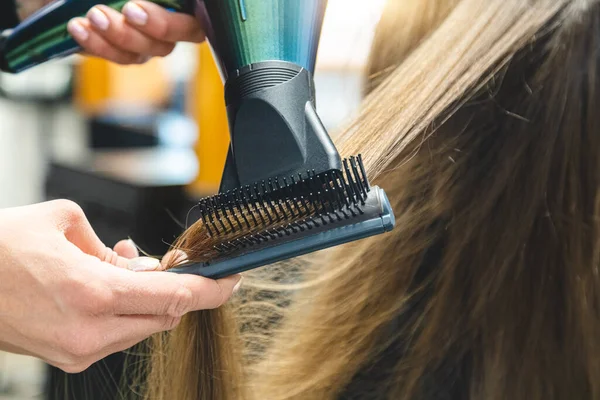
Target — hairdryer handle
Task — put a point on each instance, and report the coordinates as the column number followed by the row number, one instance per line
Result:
column 44, row 36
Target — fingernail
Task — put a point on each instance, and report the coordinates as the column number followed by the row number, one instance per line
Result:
column 77, row 30
column 238, row 285
column 98, row 19
column 135, row 13
column 144, row 264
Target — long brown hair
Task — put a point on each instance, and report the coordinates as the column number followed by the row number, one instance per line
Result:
column 404, row 26
column 201, row 359
column 486, row 136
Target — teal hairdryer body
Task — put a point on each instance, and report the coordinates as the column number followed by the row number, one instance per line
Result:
column 266, row 51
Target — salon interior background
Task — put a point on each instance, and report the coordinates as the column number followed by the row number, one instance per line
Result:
column 128, row 143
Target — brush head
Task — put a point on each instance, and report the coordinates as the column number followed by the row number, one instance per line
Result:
column 282, row 218
column 283, row 203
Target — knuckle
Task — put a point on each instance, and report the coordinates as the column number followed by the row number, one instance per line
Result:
column 123, row 39
column 161, row 29
column 142, row 60
column 181, row 302
column 71, row 210
column 198, row 35
column 126, row 59
column 221, row 295
column 104, row 50
column 164, row 50
column 70, row 368
column 170, row 323
column 77, row 368
column 99, row 47
column 79, row 346
column 98, row 299
column 108, row 255
column 81, row 296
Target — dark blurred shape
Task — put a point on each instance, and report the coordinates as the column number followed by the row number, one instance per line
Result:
column 121, row 129
column 128, row 193
column 108, row 131
column 136, row 193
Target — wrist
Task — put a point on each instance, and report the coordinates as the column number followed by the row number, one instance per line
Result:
column 24, row 8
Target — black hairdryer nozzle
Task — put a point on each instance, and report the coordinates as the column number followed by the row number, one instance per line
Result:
column 275, row 129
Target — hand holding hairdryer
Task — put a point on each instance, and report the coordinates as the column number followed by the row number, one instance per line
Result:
column 141, row 30
column 124, row 32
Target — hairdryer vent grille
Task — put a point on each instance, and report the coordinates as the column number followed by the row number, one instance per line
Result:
column 260, row 79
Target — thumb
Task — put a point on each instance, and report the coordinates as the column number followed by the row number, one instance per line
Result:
column 71, row 220
column 127, row 249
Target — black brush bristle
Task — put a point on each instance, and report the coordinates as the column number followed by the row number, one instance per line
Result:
column 282, row 206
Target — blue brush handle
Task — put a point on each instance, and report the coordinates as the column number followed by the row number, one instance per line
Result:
column 44, row 36
column 321, row 241
column 378, row 218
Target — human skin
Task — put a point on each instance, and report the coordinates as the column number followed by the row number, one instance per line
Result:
column 64, row 297
column 142, row 30
column 69, row 300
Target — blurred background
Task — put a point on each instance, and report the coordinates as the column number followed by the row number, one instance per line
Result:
column 136, row 146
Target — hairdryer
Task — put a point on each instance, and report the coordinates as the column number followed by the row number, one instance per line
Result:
column 285, row 190
column 266, row 51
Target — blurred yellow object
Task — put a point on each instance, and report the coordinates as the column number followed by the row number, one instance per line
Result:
column 101, row 85
column 207, row 107
column 92, row 84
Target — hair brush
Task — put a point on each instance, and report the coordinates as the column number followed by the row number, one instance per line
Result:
column 285, row 190
column 265, row 223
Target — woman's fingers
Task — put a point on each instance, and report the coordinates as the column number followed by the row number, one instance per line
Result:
column 167, row 294
column 157, row 22
column 112, row 26
column 109, row 335
column 96, row 45
column 69, row 219
column 124, row 332
column 142, row 30
column 126, row 249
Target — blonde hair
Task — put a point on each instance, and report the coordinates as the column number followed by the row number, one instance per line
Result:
column 403, row 27
column 486, row 138
column 201, row 359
